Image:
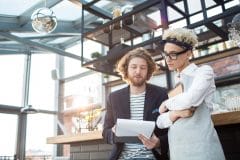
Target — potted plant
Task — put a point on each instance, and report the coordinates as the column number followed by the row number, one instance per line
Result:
column 95, row 55
column 105, row 77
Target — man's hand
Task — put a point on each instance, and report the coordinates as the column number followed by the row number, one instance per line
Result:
column 151, row 143
column 174, row 115
column 162, row 108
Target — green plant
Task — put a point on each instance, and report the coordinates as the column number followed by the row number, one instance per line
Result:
column 96, row 55
column 105, row 76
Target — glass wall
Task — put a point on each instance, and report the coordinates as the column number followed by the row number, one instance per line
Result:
column 42, row 86
column 71, row 66
column 42, row 95
column 8, row 133
column 39, row 127
column 82, row 103
column 11, row 81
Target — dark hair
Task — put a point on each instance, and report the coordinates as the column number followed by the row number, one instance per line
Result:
column 122, row 65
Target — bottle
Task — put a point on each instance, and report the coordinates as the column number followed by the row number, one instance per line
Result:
column 117, row 12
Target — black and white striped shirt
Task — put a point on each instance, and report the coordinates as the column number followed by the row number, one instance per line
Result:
column 136, row 150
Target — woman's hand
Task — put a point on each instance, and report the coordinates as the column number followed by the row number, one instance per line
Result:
column 174, row 115
column 162, row 108
column 151, row 143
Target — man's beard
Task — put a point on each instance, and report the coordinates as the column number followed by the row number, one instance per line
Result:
column 138, row 82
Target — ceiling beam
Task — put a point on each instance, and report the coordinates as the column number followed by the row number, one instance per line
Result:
column 91, row 3
column 93, row 9
column 219, row 1
column 12, row 46
column 9, row 109
column 229, row 12
column 48, row 37
column 13, row 25
column 10, row 52
column 71, row 42
column 173, row 6
column 98, row 12
column 39, row 45
column 221, row 33
column 88, row 18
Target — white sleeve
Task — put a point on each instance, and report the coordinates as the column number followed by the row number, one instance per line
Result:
column 163, row 120
column 202, row 83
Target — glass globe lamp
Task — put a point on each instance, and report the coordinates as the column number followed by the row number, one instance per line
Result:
column 44, row 20
column 234, row 30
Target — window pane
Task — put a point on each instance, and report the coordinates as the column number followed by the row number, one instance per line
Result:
column 11, row 71
column 39, row 127
column 89, row 87
column 8, row 133
column 72, row 67
column 82, row 104
column 42, row 86
column 194, row 6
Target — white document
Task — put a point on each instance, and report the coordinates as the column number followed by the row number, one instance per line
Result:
column 132, row 128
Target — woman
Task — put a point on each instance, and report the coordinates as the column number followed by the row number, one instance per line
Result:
column 192, row 138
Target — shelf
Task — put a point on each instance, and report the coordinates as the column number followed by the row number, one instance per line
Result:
column 134, row 24
column 107, row 35
column 106, row 64
column 212, row 30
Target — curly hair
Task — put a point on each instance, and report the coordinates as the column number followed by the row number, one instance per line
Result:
column 122, row 65
column 183, row 35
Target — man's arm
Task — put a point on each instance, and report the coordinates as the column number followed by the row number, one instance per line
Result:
column 158, row 144
column 108, row 133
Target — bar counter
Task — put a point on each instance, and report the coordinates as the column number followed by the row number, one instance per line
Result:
column 220, row 119
column 91, row 146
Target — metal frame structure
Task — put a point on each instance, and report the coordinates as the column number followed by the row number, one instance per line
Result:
column 214, row 30
column 216, row 33
column 80, row 29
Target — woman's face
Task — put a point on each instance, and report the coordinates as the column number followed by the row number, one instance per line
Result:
column 176, row 57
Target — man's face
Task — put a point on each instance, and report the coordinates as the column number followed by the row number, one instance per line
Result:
column 137, row 71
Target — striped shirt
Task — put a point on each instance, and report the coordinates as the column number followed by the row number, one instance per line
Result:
column 136, row 150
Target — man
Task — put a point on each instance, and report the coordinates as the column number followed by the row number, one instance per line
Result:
column 137, row 101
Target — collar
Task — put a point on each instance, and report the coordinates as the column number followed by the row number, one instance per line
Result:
column 189, row 70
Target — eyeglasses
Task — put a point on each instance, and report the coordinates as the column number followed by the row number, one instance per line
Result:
column 173, row 56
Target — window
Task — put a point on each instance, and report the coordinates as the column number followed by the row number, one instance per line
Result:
column 11, row 71
column 39, row 127
column 8, row 125
column 42, row 86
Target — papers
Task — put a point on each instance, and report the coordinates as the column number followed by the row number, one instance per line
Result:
column 132, row 128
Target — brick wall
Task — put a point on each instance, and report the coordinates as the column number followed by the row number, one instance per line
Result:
column 226, row 66
column 90, row 150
